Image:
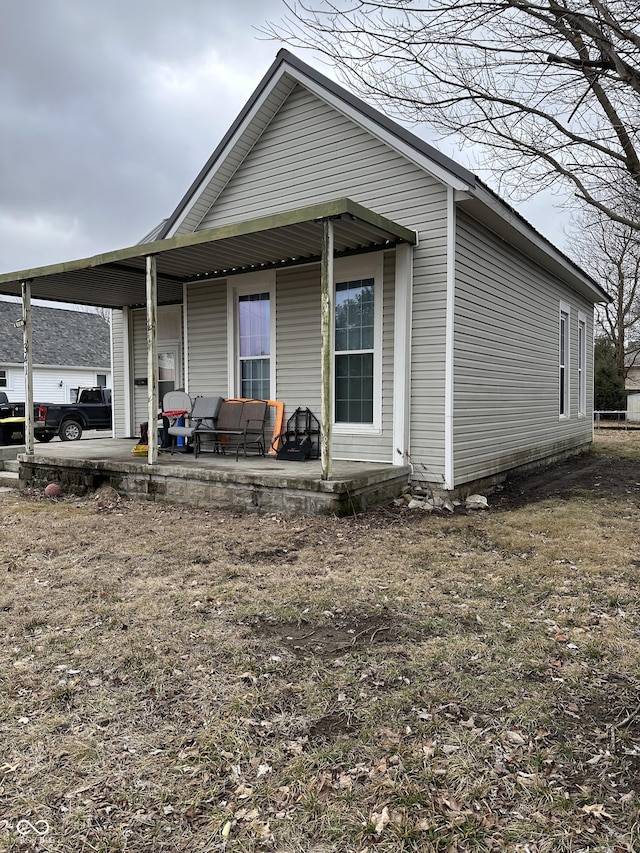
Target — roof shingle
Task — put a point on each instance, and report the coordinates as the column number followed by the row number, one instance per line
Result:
column 70, row 338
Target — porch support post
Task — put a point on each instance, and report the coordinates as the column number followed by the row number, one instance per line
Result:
column 402, row 354
column 326, row 309
column 27, row 333
column 152, row 359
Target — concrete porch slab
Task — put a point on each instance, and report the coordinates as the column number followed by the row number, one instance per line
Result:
column 252, row 483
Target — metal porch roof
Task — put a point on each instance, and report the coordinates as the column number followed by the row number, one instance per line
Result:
column 117, row 279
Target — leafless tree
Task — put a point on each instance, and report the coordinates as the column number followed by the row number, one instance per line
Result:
column 610, row 251
column 549, row 89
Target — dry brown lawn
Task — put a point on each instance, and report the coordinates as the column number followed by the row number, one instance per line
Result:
column 182, row 680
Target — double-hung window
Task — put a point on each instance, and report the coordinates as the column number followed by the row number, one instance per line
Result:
column 582, row 364
column 354, row 348
column 251, row 333
column 4, row 381
column 564, row 362
column 357, row 345
column 254, row 336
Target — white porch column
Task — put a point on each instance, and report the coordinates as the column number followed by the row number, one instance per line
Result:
column 27, row 333
column 152, row 359
column 326, row 309
column 402, row 354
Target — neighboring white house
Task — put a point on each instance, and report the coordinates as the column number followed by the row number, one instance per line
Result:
column 460, row 339
column 71, row 349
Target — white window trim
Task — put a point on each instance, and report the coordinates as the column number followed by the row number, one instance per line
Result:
column 8, row 376
column 352, row 269
column 240, row 285
column 565, row 309
column 582, row 360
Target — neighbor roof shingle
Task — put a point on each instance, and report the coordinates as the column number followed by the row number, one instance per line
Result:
column 59, row 337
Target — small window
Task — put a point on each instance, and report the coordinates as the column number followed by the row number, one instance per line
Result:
column 582, row 365
column 564, row 363
column 101, row 380
column 4, row 381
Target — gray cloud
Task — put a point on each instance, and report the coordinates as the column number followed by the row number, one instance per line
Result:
column 108, row 111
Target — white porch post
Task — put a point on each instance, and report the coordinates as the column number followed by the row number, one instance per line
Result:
column 326, row 308
column 27, row 332
column 152, row 359
column 402, row 354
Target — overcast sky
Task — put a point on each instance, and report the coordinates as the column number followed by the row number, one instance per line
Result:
column 109, row 109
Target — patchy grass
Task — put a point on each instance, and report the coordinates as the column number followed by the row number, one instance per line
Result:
column 182, row 680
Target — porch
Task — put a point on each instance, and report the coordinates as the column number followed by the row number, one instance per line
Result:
column 256, row 483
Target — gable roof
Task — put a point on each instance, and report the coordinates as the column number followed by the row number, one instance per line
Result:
column 60, row 337
column 285, row 73
column 478, row 200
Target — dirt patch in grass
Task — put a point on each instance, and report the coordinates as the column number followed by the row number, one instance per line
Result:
column 347, row 632
column 604, row 472
column 183, row 680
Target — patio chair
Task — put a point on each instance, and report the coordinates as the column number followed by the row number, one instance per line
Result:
column 175, row 405
column 202, row 417
column 254, row 415
column 214, row 437
column 240, row 425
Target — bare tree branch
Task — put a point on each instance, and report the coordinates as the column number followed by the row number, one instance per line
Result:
column 549, row 90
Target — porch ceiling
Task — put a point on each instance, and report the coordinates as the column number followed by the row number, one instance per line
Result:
column 117, row 279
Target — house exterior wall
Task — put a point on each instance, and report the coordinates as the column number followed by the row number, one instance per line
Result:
column 52, row 383
column 169, row 329
column 311, row 153
column 120, row 377
column 139, row 368
column 506, row 358
column 206, row 311
column 297, row 348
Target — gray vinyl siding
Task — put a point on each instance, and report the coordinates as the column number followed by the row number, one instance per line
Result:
column 310, row 153
column 298, row 356
column 120, row 382
column 298, row 338
column 506, row 361
column 139, row 365
column 207, row 338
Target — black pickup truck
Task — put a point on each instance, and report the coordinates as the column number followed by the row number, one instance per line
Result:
column 92, row 410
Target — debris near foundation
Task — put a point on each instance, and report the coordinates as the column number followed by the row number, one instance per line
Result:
column 418, row 498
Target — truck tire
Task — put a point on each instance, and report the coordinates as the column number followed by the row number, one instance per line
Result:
column 70, row 430
column 44, row 437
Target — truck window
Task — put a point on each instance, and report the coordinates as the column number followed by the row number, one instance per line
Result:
column 90, row 396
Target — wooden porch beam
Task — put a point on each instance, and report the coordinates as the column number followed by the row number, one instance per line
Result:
column 326, row 309
column 152, row 358
column 27, row 334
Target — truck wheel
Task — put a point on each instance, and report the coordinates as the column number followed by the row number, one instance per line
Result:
column 44, row 437
column 70, row 431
